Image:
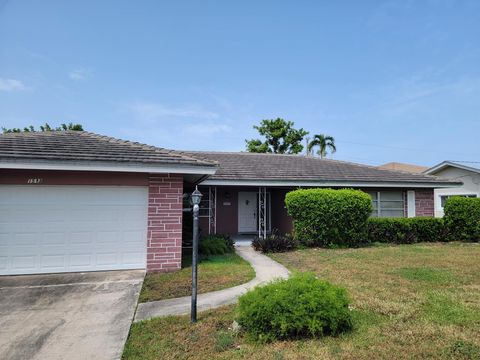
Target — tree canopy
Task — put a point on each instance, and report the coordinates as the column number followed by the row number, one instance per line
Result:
column 280, row 137
column 46, row 127
column 324, row 143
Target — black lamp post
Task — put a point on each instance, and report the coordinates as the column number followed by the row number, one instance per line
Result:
column 196, row 198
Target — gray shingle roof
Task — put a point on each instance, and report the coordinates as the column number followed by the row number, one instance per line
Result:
column 251, row 166
column 86, row 146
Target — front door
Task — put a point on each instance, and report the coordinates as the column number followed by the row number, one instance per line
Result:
column 247, row 212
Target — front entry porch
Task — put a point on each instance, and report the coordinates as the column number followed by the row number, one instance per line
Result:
column 243, row 212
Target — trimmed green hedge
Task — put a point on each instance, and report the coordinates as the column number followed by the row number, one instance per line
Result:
column 302, row 306
column 462, row 218
column 327, row 217
column 406, row 230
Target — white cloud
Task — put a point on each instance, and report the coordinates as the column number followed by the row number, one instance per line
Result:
column 152, row 112
column 79, row 74
column 10, row 85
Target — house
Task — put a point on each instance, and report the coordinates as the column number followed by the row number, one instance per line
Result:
column 417, row 169
column 246, row 194
column 76, row 201
column 467, row 172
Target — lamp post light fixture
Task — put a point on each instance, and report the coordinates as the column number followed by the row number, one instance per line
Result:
column 196, row 198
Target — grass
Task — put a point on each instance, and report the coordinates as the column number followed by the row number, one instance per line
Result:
column 409, row 302
column 214, row 273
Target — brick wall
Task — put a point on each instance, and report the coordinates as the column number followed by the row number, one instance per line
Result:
column 164, row 232
column 424, row 204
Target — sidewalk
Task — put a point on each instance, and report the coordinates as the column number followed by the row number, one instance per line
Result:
column 265, row 268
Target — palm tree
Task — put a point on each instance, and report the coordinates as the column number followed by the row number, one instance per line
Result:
column 324, row 142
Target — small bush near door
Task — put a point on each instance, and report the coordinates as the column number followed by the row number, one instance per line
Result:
column 302, row 306
column 462, row 218
column 216, row 244
column 274, row 242
column 327, row 217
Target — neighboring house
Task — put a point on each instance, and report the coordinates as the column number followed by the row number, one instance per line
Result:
column 246, row 194
column 416, row 169
column 77, row 201
column 467, row 172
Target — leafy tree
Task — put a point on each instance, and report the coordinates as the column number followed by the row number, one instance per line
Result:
column 324, row 143
column 46, row 127
column 280, row 138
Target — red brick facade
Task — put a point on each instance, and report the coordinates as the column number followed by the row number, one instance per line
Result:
column 164, row 233
column 424, row 204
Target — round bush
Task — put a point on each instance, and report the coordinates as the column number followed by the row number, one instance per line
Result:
column 302, row 306
column 327, row 217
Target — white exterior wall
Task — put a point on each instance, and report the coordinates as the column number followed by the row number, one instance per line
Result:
column 471, row 185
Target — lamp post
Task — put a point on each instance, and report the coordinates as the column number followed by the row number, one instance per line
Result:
column 196, row 198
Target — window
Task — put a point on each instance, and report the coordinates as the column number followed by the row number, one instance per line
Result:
column 387, row 204
column 444, row 198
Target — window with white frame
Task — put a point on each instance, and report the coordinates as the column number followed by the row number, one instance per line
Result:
column 444, row 198
column 387, row 204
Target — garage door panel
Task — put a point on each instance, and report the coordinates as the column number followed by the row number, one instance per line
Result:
column 107, row 258
column 72, row 228
column 54, row 239
column 132, row 258
column 26, row 262
column 3, row 260
column 25, row 239
column 107, row 238
column 53, row 262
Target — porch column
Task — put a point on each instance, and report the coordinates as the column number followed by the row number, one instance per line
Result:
column 212, row 209
column 262, row 212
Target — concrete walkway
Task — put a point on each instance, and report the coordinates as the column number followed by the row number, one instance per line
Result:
column 265, row 268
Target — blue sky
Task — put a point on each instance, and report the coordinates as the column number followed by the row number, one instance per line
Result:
column 390, row 80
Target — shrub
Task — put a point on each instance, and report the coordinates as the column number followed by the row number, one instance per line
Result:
column 215, row 245
column 390, row 230
column 302, row 306
column 274, row 243
column 429, row 229
column 406, row 230
column 327, row 217
column 462, row 218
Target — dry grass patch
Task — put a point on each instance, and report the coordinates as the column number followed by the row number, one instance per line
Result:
column 216, row 272
column 409, row 302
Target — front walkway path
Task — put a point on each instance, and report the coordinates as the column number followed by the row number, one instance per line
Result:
column 265, row 268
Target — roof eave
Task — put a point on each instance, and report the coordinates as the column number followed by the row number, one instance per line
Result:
column 444, row 164
column 329, row 183
column 110, row 166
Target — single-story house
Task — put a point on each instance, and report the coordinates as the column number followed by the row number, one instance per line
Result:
column 467, row 172
column 76, row 201
column 246, row 194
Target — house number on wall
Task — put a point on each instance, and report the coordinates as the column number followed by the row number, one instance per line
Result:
column 35, row 181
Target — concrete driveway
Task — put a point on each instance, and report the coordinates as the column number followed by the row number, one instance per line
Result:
column 67, row 316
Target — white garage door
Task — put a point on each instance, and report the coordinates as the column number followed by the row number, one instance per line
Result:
column 46, row 229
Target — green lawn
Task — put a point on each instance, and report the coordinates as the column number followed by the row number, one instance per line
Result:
column 409, row 302
column 214, row 273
